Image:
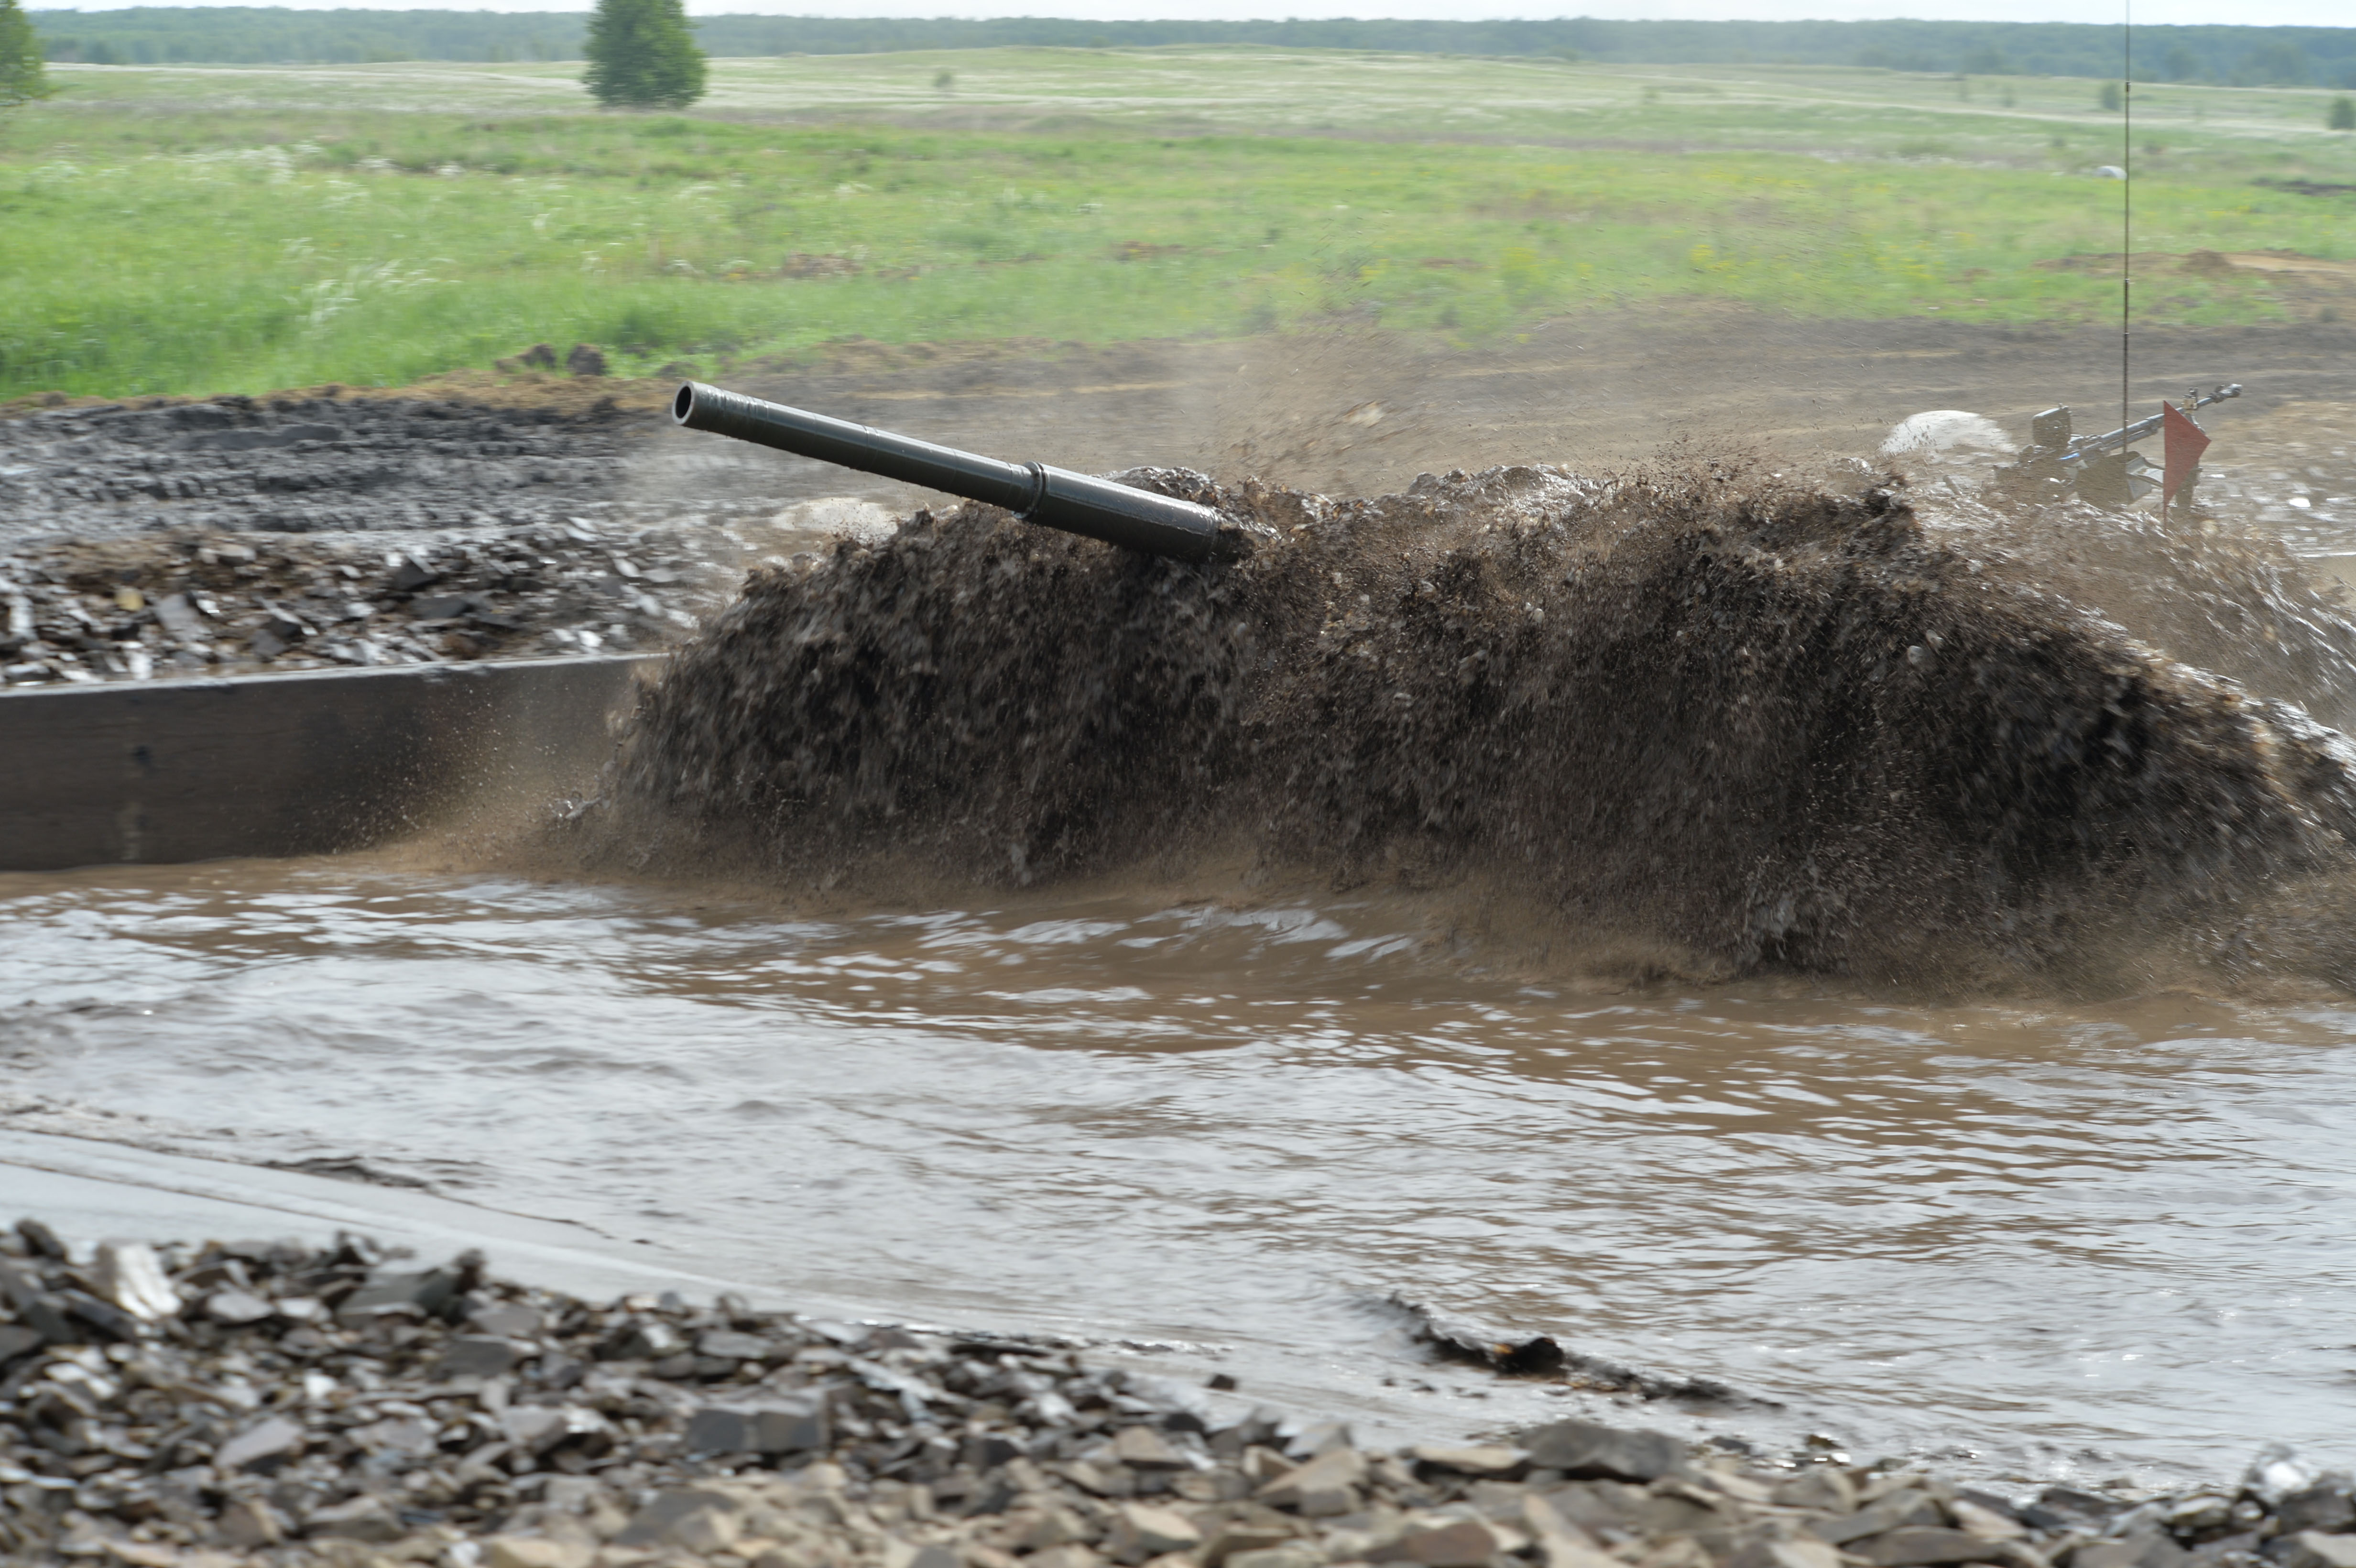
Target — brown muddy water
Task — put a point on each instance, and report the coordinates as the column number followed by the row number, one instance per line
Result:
column 2033, row 1238
column 1893, row 964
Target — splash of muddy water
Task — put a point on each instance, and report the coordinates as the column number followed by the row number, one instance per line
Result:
column 1702, row 722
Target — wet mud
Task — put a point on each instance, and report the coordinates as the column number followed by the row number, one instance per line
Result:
column 225, row 603
column 243, row 535
column 301, row 464
column 1743, row 720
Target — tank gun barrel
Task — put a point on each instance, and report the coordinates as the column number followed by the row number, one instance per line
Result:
column 2126, row 435
column 1053, row 497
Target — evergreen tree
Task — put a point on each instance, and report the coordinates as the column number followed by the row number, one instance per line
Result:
column 2342, row 115
column 21, row 78
column 641, row 55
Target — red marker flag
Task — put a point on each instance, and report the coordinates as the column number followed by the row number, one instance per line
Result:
column 2185, row 443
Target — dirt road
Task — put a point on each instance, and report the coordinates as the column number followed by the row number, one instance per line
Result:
column 1343, row 412
column 513, row 493
column 1365, row 414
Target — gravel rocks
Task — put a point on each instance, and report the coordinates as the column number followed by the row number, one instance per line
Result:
column 302, row 465
column 243, row 535
column 157, row 606
column 261, row 1405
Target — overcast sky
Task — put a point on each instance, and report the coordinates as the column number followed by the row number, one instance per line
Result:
column 2310, row 12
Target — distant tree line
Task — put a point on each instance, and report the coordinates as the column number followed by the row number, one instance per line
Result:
column 243, row 35
column 2305, row 57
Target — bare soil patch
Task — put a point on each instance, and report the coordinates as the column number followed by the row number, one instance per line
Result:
column 517, row 492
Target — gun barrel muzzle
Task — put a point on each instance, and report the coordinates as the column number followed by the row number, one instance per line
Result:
column 1055, row 497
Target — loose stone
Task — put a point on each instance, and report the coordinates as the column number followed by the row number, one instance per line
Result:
column 258, row 1405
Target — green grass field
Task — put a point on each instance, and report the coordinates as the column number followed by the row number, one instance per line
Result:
column 182, row 229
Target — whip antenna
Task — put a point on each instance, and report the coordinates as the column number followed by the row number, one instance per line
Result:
column 2126, row 198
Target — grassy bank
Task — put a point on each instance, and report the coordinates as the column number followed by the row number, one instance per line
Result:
column 196, row 230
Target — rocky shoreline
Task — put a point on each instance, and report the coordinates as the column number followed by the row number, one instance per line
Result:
column 265, row 1405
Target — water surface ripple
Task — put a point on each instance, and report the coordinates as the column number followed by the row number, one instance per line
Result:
column 2073, row 1240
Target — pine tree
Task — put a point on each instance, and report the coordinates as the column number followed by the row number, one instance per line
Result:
column 21, row 78
column 641, row 55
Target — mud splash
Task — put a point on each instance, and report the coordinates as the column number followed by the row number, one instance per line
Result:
column 1739, row 722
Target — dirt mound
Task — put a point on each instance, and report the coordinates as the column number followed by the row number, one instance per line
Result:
column 1757, row 723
